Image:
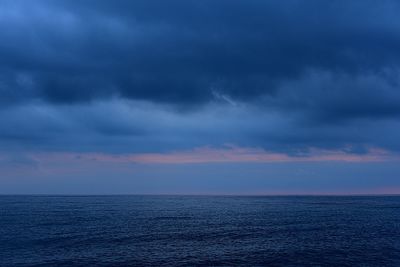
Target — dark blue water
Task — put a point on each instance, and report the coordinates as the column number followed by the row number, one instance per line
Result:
column 199, row 231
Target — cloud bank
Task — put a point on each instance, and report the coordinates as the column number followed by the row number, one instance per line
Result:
column 152, row 76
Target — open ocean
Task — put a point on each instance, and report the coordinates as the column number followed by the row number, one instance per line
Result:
column 199, row 231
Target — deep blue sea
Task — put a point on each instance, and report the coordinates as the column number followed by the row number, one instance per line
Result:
column 199, row 231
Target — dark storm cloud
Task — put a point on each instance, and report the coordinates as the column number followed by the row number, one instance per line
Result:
column 304, row 73
column 179, row 52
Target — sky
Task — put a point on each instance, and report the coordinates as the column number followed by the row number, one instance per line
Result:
column 199, row 97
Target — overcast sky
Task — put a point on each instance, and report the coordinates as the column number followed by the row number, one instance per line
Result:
column 200, row 97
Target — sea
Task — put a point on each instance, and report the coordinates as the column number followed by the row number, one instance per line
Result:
column 199, row 230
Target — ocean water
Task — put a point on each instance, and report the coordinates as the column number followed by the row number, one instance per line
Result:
column 199, row 231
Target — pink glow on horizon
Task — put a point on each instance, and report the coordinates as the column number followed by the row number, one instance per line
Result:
column 225, row 155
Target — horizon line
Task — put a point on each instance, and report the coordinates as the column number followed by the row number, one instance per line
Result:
column 199, row 194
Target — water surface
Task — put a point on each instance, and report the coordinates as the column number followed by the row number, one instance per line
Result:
column 199, row 231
